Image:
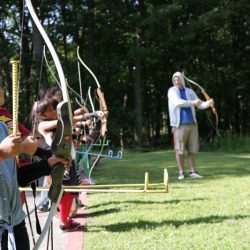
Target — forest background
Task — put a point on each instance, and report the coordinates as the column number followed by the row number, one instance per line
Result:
column 134, row 47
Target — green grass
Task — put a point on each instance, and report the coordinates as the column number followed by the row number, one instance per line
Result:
column 212, row 213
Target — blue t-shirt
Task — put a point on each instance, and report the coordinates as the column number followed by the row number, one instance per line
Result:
column 10, row 202
column 186, row 113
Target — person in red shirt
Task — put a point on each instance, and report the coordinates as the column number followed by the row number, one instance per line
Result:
column 6, row 116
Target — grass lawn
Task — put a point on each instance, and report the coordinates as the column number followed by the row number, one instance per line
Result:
column 211, row 213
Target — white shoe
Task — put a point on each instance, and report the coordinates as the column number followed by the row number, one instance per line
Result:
column 195, row 175
column 181, row 176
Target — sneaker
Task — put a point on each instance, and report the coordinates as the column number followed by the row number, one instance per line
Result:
column 181, row 176
column 43, row 209
column 195, row 175
column 70, row 226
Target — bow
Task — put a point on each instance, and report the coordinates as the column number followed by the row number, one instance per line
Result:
column 103, row 108
column 100, row 93
column 62, row 144
column 207, row 97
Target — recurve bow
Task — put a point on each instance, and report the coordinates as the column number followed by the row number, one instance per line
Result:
column 207, row 97
column 62, row 144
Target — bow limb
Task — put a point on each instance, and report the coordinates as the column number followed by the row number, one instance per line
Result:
column 214, row 111
column 52, row 51
column 52, row 212
column 57, row 81
column 62, row 144
column 205, row 94
column 100, row 93
column 104, row 109
column 104, row 120
column 89, row 70
column 90, row 100
column 207, row 97
column 56, row 60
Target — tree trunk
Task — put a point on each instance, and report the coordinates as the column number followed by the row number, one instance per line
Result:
column 38, row 43
column 138, row 101
column 138, row 82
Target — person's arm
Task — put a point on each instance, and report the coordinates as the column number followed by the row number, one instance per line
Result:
column 87, row 116
column 35, row 170
column 81, row 111
column 23, row 130
column 206, row 104
column 199, row 103
column 10, row 146
column 29, row 145
column 46, row 126
column 31, row 172
column 193, row 99
column 175, row 99
column 43, row 153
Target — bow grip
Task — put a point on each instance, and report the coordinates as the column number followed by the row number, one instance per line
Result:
column 56, row 174
column 209, row 98
column 61, row 146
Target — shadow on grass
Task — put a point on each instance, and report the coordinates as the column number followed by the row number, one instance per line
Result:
column 138, row 202
column 213, row 173
column 141, row 224
column 103, row 212
column 223, row 171
column 80, row 215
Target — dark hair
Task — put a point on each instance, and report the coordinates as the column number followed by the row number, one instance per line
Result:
column 51, row 92
column 38, row 110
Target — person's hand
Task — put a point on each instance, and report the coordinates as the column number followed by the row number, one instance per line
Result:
column 88, row 123
column 211, row 102
column 53, row 160
column 29, row 145
column 196, row 102
column 99, row 113
column 81, row 111
column 11, row 146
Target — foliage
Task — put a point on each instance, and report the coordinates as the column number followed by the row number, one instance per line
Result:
column 134, row 47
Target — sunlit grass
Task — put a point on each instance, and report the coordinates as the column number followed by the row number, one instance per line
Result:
column 212, row 213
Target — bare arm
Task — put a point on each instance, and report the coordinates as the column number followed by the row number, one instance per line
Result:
column 87, row 116
column 11, row 146
column 47, row 126
column 81, row 111
column 29, row 145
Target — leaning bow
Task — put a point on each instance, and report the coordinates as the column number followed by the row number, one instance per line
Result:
column 62, row 145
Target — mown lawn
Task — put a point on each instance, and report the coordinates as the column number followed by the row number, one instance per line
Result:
column 212, row 213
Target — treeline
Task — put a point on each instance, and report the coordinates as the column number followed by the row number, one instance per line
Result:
column 134, row 47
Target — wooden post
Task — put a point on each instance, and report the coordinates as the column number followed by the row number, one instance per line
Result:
column 165, row 180
column 146, row 184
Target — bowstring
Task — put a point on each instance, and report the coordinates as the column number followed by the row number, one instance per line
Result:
column 207, row 113
column 19, row 80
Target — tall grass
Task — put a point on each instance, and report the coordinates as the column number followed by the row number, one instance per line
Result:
column 228, row 143
column 211, row 213
column 234, row 143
